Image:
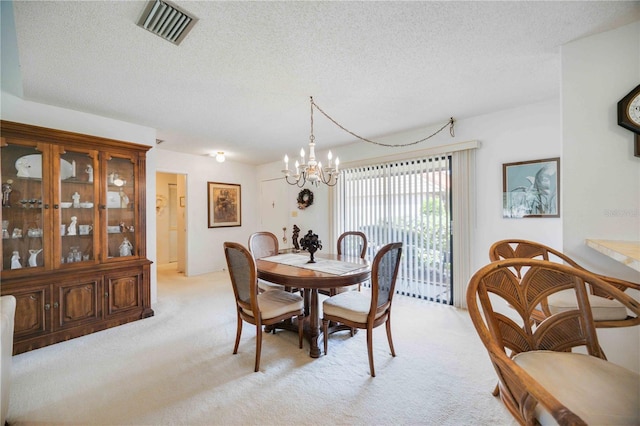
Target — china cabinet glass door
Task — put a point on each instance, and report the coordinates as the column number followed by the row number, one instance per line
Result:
column 75, row 207
column 23, row 207
column 120, row 207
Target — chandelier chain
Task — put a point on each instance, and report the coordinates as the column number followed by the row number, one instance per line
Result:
column 448, row 123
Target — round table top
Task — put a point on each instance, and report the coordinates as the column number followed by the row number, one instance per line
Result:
column 295, row 276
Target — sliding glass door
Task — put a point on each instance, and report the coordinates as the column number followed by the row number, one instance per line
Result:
column 408, row 201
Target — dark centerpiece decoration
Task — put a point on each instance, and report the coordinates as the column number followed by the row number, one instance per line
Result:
column 311, row 243
column 294, row 237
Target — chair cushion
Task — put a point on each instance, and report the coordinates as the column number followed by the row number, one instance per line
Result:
column 603, row 309
column 274, row 303
column 351, row 305
column 600, row 392
column 268, row 285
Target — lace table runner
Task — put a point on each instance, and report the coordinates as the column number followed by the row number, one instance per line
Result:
column 329, row 266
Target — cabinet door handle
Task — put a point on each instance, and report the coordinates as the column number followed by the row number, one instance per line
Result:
column 55, row 305
column 56, row 206
column 103, row 206
column 106, row 294
column 46, row 206
column 47, row 307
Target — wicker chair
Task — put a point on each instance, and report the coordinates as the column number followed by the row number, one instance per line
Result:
column 267, row 308
column 540, row 380
column 606, row 312
column 358, row 310
column 353, row 243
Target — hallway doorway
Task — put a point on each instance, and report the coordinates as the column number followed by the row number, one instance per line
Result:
column 171, row 209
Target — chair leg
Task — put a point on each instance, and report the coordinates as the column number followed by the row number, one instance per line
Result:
column 238, row 333
column 370, row 350
column 325, row 335
column 258, row 345
column 388, row 324
column 300, row 329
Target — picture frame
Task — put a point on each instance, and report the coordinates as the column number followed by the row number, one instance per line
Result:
column 531, row 189
column 224, row 204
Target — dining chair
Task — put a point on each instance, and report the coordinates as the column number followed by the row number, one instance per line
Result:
column 264, row 244
column 607, row 313
column 540, row 379
column 367, row 310
column 353, row 243
column 266, row 308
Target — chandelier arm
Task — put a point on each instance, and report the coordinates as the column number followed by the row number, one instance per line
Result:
column 448, row 123
column 296, row 182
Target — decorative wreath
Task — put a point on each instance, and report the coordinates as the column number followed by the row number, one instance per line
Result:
column 305, row 199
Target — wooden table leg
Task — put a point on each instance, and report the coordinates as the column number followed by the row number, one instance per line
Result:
column 314, row 324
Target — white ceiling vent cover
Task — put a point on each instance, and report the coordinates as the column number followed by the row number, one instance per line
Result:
column 167, row 21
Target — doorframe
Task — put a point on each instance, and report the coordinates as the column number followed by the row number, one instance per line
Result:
column 182, row 223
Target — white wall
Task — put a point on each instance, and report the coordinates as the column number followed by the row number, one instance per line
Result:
column 602, row 176
column 204, row 245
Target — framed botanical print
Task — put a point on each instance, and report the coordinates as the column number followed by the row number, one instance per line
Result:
column 531, row 188
column 224, row 204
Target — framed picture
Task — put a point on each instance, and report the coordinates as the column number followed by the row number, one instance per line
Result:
column 531, row 188
column 224, row 204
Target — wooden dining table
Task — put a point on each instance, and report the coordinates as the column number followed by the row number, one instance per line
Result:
column 329, row 271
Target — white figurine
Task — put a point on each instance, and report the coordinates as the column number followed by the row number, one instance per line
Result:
column 124, row 199
column 71, row 230
column 125, row 247
column 15, row 261
column 33, row 261
column 89, row 170
column 76, row 199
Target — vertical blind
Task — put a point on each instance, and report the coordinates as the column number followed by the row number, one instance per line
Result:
column 408, row 201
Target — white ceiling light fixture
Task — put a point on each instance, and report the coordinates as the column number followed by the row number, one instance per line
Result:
column 220, row 157
column 167, row 21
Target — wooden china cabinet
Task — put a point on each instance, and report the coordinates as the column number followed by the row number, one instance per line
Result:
column 73, row 233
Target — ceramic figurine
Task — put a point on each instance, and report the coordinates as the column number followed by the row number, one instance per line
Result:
column 76, row 199
column 125, row 247
column 72, row 229
column 33, row 261
column 89, row 171
column 15, row 261
column 124, row 199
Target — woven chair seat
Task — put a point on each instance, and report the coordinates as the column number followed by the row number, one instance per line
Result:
column 609, row 396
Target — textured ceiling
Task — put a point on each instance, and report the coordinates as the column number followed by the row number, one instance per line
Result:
column 240, row 81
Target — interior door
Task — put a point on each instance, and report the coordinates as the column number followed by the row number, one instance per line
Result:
column 273, row 210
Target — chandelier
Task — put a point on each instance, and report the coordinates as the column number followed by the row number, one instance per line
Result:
column 311, row 171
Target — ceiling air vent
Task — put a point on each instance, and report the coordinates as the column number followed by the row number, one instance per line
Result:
column 167, row 21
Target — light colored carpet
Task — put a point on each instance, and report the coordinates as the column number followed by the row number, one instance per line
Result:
column 177, row 368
